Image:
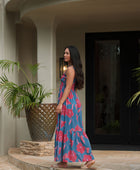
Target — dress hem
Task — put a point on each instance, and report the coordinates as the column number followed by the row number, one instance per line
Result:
column 73, row 161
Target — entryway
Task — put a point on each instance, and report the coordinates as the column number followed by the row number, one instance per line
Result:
column 110, row 58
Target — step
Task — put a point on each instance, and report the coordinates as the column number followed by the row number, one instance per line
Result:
column 104, row 160
column 28, row 162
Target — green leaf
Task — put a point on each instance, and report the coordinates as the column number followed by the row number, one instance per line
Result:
column 19, row 97
column 7, row 64
column 133, row 98
column 34, row 68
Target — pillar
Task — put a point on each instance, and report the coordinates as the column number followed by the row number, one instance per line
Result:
column 46, row 54
column 1, row 56
column 7, row 51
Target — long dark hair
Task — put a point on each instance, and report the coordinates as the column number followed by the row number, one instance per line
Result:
column 77, row 64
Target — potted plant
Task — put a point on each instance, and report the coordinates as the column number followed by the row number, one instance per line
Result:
column 136, row 96
column 41, row 118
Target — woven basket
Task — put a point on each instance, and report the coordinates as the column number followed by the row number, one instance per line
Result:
column 41, row 121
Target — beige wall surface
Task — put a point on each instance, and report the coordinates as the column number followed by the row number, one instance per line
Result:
column 22, row 131
column 7, row 122
column 26, row 42
column 1, row 33
column 12, row 129
column 46, row 54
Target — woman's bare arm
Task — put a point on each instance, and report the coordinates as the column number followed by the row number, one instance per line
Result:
column 70, row 78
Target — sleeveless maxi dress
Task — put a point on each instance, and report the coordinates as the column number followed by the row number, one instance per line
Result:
column 71, row 141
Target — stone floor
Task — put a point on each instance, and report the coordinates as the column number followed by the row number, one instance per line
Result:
column 5, row 165
column 105, row 160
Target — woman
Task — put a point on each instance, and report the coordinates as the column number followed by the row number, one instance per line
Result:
column 71, row 141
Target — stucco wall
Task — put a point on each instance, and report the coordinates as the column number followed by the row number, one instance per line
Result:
column 1, row 32
column 12, row 129
column 7, row 45
column 26, row 40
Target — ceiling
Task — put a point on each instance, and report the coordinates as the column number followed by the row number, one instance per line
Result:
column 84, row 12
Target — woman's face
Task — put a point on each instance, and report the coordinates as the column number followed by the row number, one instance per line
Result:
column 67, row 55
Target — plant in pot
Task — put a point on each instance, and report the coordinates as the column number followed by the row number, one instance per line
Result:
column 136, row 96
column 41, row 118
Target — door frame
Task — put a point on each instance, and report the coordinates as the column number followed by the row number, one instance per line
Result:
column 129, row 48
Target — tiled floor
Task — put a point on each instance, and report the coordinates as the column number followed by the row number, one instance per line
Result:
column 5, row 165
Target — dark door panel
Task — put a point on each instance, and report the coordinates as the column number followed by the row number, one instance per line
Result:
column 110, row 58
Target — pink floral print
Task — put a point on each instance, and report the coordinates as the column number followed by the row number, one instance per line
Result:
column 71, row 141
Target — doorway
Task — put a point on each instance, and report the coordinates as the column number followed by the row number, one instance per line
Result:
column 110, row 58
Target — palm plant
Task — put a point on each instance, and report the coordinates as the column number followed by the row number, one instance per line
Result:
column 19, row 97
column 136, row 96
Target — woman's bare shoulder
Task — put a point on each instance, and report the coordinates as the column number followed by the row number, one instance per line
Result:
column 70, row 70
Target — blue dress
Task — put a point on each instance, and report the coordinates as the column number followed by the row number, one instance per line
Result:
column 71, row 141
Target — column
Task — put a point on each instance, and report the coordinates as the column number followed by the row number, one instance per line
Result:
column 1, row 56
column 46, row 54
column 7, row 51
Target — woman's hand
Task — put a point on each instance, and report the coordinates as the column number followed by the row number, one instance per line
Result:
column 58, row 108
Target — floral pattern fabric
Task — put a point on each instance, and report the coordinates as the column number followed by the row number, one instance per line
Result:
column 71, row 141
